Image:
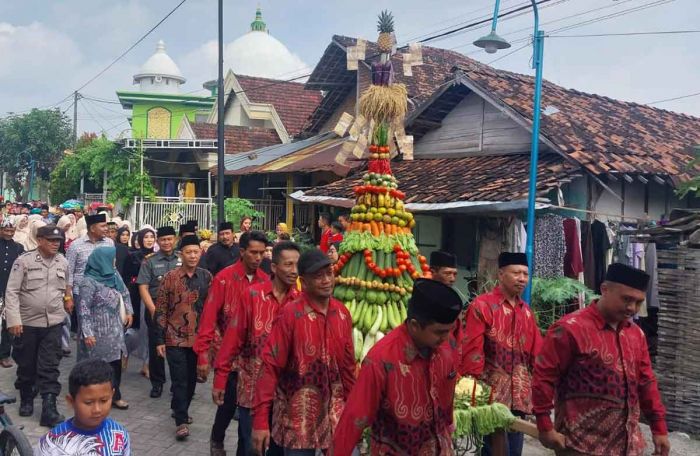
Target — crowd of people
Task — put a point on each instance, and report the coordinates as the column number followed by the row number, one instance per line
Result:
column 259, row 317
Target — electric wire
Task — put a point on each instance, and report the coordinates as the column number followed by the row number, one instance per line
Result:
column 690, row 95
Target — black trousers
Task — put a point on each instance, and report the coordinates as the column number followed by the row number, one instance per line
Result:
column 156, row 364
column 116, row 379
column 225, row 413
column 183, row 378
column 38, row 353
column 5, row 342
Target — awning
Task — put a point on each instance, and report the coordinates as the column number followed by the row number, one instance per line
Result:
column 457, row 207
column 313, row 154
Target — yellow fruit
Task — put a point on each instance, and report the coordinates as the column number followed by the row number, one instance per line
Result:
column 382, row 210
column 391, row 212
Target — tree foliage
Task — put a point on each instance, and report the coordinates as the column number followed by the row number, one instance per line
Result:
column 692, row 186
column 41, row 135
column 93, row 157
column 237, row 208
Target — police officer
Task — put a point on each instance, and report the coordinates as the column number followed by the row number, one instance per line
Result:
column 36, row 307
column 9, row 251
column 224, row 253
column 154, row 267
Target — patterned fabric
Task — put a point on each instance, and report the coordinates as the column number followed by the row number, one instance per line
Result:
column 499, row 345
column 98, row 314
column 308, row 370
column 178, row 306
column 110, row 439
column 550, row 246
column 78, row 254
column 227, row 289
column 404, row 397
column 9, row 251
column 245, row 338
column 601, row 377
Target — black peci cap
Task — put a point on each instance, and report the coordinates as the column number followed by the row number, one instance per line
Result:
column 165, row 231
column 627, row 275
column 435, row 301
column 508, row 258
column 189, row 240
column 97, row 218
column 440, row 259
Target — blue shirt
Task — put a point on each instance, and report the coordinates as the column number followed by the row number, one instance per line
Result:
column 110, row 439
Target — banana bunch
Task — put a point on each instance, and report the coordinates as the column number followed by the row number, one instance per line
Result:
column 372, row 321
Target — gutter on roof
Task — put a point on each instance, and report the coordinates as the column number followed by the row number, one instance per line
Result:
column 457, row 207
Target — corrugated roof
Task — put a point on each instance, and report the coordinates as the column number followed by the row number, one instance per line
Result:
column 245, row 163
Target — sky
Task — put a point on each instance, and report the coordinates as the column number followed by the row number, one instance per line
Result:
column 48, row 49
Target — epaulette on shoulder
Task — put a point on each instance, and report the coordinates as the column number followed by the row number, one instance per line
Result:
column 149, row 255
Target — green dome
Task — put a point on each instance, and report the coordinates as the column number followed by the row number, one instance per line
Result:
column 258, row 25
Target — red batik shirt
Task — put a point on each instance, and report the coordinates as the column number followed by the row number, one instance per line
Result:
column 499, row 346
column 245, row 338
column 601, row 378
column 308, row 370
column 227, row 288
column 405, row 397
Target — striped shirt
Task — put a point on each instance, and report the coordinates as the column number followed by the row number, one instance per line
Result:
column 110, row 439
column 78, row 254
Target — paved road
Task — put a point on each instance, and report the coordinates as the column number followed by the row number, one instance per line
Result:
column 152, row 429
column 148, row 420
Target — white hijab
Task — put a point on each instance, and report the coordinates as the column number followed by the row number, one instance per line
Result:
column 21, row 228
column 31, row 242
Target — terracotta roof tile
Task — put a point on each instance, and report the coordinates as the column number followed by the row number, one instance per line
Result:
column 480, row 178
column 238, row 139
column 601, row 133
column 291, row 100
column 331, row 73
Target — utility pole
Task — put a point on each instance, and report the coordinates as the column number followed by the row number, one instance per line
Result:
column 220, row 122
column 76, row 97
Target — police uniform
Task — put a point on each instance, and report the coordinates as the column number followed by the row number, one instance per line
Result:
column 9, row 251
column 153, row 268
column 34, row 300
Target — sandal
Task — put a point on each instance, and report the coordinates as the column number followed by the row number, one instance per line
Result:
column 120, row 404
column 182, row 432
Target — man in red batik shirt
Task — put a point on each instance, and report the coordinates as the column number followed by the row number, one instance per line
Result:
column 594, row 370
column 324, row 222
column 308, row 366
column 405, row 391
column 247, row 332
column 227, row 289
column 501, row 341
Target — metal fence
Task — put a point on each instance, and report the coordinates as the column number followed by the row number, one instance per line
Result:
column 171, row 211
column 273, row 211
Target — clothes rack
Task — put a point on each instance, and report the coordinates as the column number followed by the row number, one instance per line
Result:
column 594, row 213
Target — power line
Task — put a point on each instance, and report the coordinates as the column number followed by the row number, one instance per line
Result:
column 509, row 54
column 131, row 47
column 593, row 35
column 674, row 98
column 484, row 21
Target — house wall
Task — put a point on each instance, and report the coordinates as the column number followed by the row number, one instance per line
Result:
column 651, row 199
column 236, row 115
column 139, row 121
column 474, row 126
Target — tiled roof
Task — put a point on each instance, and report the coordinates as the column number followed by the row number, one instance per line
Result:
column 238, row 139
column 331, row 74
column 478, row 178
column 292, row 102
column 601, row 133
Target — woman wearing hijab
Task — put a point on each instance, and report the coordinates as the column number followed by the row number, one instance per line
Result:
column 22, row 229
column 143, row 243
column 122, row 246
column 102, row 293
column 35, row 223
column 65, row 225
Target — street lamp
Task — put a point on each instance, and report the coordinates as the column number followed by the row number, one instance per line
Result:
column 491, row 43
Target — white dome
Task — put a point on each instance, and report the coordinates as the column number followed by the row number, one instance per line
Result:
column 160, row 64
column 258, row 53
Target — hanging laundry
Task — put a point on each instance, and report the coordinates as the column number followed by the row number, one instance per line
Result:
column 573, row 259
column 492, row 241
column 516, row 236
column 589, row 275
column 171, row 189
column 549, row 246
column 190, row 190
column 601, row 246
